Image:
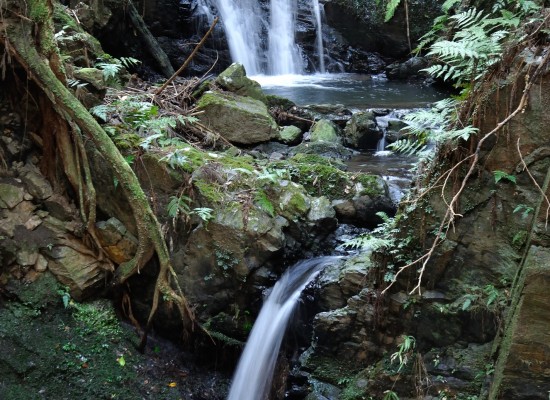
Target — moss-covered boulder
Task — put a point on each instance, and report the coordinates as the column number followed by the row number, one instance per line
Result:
column 234, row 79
column 239, row 119
column 290, row 134
column 362, row 132
column 325, row 131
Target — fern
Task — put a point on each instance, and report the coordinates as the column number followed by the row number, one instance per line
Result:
column 390, row 9
column 264, row 203
column 100, row 111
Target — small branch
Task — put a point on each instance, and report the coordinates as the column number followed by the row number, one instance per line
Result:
column 536, row 184
column 188, row 60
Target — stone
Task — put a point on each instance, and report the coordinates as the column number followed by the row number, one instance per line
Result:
column 321, row 210
column 345, row 209
column 324, row 131
column 33, row 222
column 119, row 244
column 93, row 76
column 412, row 68
column 290, row 134
column 10, row 195
column 82, row 273
column 234, row 79
column 27, row 257
column 362, row 132
column 41, row 264
column 59, row 208
column 239, row 119
column 37, row 185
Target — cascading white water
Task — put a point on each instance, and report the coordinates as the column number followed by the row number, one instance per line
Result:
column 254, row 373
column 244, row 28
column 264, row 40
column 283, row 53
column 319, row 38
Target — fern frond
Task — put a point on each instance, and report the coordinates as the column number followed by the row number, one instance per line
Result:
column 468, row 18
column 390, row 9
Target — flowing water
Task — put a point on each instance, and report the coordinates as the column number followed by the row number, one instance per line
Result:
column 247, row 25
column 355, row 91
column 254, row 373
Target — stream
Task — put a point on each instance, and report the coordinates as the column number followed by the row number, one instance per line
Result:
column 354, row 91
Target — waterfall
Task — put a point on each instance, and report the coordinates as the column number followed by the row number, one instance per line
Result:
column 254, row 373
column 243, row 27
column 319, row 38
column 284, row 56
column 263, row 39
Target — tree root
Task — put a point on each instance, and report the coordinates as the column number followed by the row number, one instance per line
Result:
column 150, row 238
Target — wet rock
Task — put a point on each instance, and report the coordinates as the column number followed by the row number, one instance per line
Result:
column 239, row 119
column 290, row 134
column 324, row 149
column 321, row 211
column 362, row 132
column 394, row 130
column 410, row 69
column 324, row 131
column 115, row 239
column 10, row 195
column 234, row 79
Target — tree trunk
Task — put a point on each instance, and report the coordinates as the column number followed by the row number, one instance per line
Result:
column 27, row 35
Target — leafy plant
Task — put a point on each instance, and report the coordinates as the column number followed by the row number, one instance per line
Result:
column 112, row 68
column 404, row 351
column 390, row 395
column 500, row 175
column 178, row 205
column 524, row 209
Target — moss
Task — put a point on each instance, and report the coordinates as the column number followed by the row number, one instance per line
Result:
column 211, row 192
column 332, row 370
column 322, row 176
column 38, row 11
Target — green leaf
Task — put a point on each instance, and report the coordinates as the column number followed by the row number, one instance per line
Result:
column 121, row 361
column 390, row 9
column 499, row 175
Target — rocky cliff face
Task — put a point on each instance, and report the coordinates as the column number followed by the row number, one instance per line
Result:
column 479, row 324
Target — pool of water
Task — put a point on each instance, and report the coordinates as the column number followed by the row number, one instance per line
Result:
column 395, row 169
column 352, row 90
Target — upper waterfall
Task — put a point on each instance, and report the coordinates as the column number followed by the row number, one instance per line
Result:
column 263, row 38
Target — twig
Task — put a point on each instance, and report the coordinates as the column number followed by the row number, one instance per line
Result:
column 451, row 214
column 536, row 184
column 188, row 60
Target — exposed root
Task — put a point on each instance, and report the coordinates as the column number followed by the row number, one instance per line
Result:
column 451, row 212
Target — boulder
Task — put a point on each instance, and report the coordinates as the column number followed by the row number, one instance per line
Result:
column 290, row 134
column 119, row 244
column 234, row 79
column 10, row 195
column 324, row 131
column 239, row 119
column 362, row 132
column 73, row 266
column 412, row 68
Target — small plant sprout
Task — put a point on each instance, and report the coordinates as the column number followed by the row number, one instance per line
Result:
column 404, row 351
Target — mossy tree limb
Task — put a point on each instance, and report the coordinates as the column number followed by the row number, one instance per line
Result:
column 19, row 36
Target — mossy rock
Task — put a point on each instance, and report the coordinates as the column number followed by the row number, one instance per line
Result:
column 290, row 134
column 325, row 131
column 239, row 119
column 234, row 79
